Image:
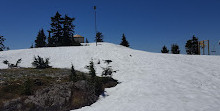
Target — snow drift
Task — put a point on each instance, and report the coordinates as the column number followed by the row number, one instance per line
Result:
column 149, row 81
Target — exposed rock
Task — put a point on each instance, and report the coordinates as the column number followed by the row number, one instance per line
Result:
column 57, row 97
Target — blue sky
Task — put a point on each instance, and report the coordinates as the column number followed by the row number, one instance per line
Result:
column 147, row 24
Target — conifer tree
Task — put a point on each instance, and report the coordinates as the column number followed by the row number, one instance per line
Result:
column 2, row 46
column 124, row 42
column 56, row 30
column 175, row 49
column 73, row 76
column 192, row 46
column 41, row 39
column 99, row 37
column 164, row 49
column 51, row 42
column 32, row 46
column 87, row 40
column 91, row 68
column 68, row 30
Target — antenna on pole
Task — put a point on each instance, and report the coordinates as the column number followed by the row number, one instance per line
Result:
column 95, row 25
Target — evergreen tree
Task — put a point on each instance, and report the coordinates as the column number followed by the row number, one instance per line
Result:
column 175, row 49
column 2, row 46
column 192, row 46
column 91, row 68
column 124, row 42
column 73, row 76
column 87, row 40
column 41, row 39
column 32, row 46
column 164, row 49
column 51, row 42
column 68, row 30
column 99, row 37
column 56, row 30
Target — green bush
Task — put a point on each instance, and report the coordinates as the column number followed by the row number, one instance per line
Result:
column 28, row 87
column 91, row 69
column 40, row 63
column 10, row 65
column 73, row 76
column 107, row 71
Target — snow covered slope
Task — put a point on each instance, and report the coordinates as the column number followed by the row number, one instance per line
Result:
column 150, row 81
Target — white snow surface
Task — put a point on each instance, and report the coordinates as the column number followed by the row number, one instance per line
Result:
column 149, row 81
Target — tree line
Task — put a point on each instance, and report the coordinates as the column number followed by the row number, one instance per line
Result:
column 60, row 33
column 191, row 47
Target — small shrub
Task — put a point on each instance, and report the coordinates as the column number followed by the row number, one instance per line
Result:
column 107, row 71
column 27, row 87
column 98, row 62
column 91, row 69
column 40, row 63
column 98, row 86
column 73, row 76
column 5, row 62
column 108, row 61
column 18, row 62
column 164, row 50
column 10, row 65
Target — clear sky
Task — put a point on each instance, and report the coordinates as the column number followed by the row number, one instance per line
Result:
column 147, row 24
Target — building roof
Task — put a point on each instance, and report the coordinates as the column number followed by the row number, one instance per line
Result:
column 77, row 35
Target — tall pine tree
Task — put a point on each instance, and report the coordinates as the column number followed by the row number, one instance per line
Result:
column 124, row 42
column 2, row 46
column 192, row 46
column 56, row 30
column 68, row 30
column 99, row 37
column 41, row 39
column 164, row 50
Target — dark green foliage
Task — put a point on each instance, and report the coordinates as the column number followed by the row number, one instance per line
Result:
column 124, row 42
column 91, row 68
column 68, row 30
column 41, row 39
column 175, row 49
column 108, row 61
column 164, row 49
column 107, row 71
column 28, row 87
column 51, row 42
column 40, row 63
column 98, row 86
column 73, row 76
column 192, row 46
column 18, row 62
column 100, row 83
column 5, row 62
column 10, row 65
column 87, row 40
column 62, row 31
column 32, row 46
column 56, row 30
column 99, row 37
column 2, row 46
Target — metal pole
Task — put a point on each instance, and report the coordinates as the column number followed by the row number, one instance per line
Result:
column 208, row 48
column 199, row 47
column 203, row 45
column 95, row 25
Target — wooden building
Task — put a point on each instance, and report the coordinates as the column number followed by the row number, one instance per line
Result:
column 78, row 38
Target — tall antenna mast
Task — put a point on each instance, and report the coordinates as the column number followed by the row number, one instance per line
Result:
column 95, row 25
